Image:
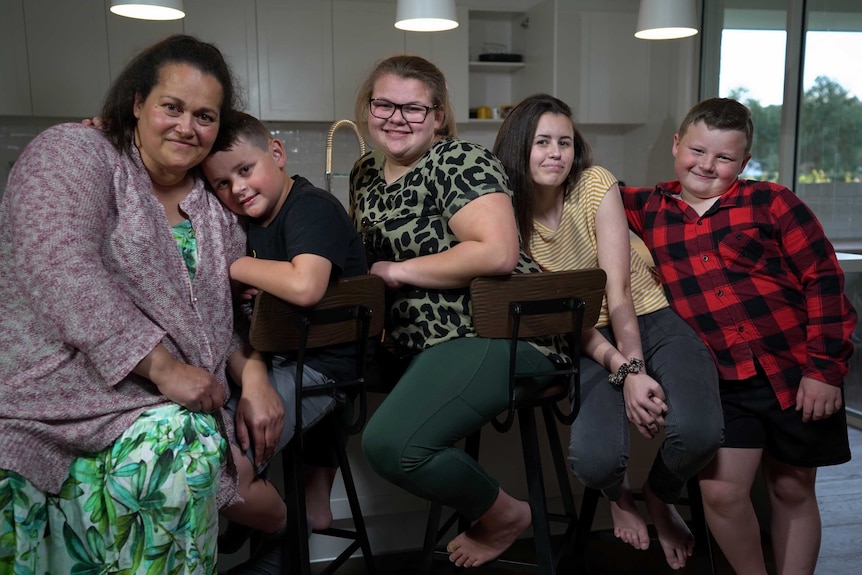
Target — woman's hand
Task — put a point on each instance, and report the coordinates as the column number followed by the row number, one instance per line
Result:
column 645, row 405
column 194, row 388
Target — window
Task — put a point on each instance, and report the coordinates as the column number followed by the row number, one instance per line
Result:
column 797, row 64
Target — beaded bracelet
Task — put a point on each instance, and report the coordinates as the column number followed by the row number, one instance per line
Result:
column 633, row 366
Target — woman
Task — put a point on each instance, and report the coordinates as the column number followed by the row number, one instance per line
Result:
column 435, row 212
column 643, row 364
column 116, row 324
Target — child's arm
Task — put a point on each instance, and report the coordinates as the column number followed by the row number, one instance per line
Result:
column 831, row 318
column 301, row 281
column 633, row 204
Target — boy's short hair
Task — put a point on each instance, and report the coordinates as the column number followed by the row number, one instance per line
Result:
column 235, row 126
column 721, row 114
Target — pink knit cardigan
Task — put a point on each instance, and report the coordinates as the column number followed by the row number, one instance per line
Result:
column 90, row 281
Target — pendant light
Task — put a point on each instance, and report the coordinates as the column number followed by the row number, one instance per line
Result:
column 426, row 15
column 666, row 19
column 149, row 9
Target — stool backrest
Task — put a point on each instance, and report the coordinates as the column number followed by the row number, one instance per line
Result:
column 538, row 305
column 492, row 296
column 275, row 323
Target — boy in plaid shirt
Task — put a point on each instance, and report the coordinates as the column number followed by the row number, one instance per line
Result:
column 749, row 267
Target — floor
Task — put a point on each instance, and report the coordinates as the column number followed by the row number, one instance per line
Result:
column 839, row 492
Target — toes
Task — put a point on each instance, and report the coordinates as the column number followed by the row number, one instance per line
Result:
column 457, row 558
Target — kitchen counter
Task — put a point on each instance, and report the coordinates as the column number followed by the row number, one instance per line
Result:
column 850, row 263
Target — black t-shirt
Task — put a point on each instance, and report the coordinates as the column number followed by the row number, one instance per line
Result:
column 313, row 221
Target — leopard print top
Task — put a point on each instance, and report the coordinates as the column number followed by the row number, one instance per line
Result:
column 409, row 218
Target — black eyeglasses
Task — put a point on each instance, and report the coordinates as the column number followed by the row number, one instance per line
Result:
column 412, row 113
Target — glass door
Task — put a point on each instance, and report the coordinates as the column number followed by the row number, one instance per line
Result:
column 797, row 64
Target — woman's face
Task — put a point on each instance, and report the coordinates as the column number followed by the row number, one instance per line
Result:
column 403, row 142
column 552, row 152
column 178, row 121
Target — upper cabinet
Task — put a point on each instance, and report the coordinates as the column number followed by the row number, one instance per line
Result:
column 449, row 50
column 297, row 60
column 15, row 88
column 595, row 64
column 611, row 84
column 128, row 36
column 59, row 58
column 294, row 39
column 67, row 45
column 230, row 25
column 365, row 33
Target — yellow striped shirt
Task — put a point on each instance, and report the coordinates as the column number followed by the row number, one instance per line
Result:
column 573, row 244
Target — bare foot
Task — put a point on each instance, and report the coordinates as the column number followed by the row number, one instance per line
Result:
column 318, row 488
column 629, row 526
column 492, row 534
column 673, row 534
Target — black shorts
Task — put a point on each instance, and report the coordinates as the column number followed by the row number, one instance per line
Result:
column 753, row 419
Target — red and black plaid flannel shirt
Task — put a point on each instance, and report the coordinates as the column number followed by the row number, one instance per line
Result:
column 755, row 276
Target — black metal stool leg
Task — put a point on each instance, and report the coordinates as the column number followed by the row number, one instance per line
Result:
column 355, row 511
column 703, row 551
column 296, row 560
column 567, row 559
column 562, row 472
column 435, row 512
column 535, row 484
column 584, row 526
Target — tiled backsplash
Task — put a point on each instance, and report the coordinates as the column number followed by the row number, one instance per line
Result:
column 305, row 144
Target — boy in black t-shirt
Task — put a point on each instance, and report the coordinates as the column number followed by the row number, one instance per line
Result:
column 299, row 238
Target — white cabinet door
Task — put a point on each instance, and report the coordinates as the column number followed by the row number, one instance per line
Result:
column 602, row 71
column 449, row 51
column 67, row 44
column 128, row 36
column 363, row 33
column 230, row 25
column 295, row 60
column 15, row 86
column 541, row 53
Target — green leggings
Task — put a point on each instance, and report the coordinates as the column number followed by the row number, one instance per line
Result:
column 448, row 392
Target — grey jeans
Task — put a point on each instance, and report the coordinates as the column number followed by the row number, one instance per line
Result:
column 679, row 360
column 282, row 377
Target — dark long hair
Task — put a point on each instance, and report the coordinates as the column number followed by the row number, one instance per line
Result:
column 141, row 75
column 513, row 146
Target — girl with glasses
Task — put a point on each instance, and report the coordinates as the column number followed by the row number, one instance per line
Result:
column 435, row 212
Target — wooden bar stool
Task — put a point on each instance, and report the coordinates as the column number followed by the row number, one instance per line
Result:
column 517, row 307
column 351, row 311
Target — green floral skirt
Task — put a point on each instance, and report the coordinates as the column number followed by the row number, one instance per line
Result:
column 144, row 505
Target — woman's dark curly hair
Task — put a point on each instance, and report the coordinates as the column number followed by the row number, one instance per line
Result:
column 141, row 75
